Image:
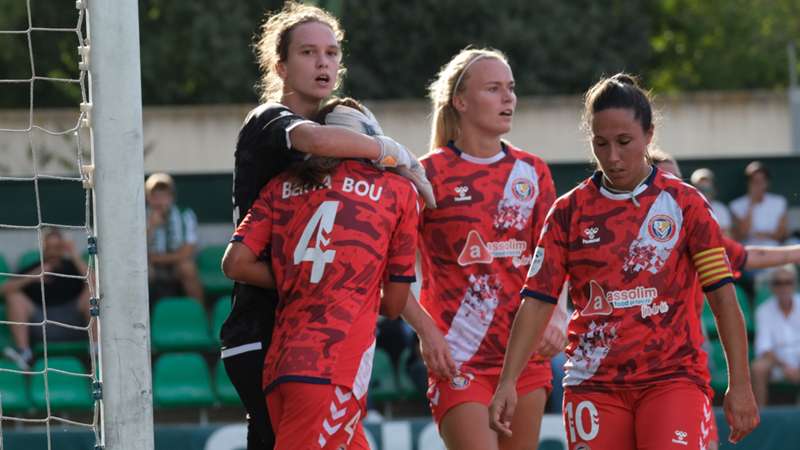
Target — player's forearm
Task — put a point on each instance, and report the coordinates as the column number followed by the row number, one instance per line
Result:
column 335, row 142
column 417, row 317
column 762, row 257
column 255, row 274
column 732, row 333
column 529, row 325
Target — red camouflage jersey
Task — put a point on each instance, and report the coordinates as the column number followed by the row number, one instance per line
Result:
column 635, row 263
column 330, row 248
column 476, row 247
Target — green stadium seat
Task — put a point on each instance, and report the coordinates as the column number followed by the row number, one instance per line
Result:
column 5, row 331
column 383, row 385
column 179, row 324
column 14, row 393
column 182, row 380
column 61, row 348
column 405, row 384
column 4, row 269
column 209, row 261
column 218, row 315
column 28, row 258
column 223, row 387
column 67, row 392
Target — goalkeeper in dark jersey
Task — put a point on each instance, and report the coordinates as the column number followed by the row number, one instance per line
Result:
column 299, row 53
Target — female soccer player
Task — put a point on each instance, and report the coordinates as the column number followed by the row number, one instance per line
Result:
column 299, row 53
column 333, row 232
column 475, row 248
column 635, row 244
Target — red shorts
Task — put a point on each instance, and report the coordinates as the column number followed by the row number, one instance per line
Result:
column 316, row 416
column 667, row 416
column 466, row 387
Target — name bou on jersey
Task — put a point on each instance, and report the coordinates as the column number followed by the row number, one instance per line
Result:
column 362, row 188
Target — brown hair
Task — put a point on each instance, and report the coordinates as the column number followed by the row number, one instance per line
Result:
column 272, row 46
column 450, row 81
column 619, row 91
column 314, row 169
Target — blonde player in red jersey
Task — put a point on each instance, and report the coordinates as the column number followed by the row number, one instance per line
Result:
column 636, row 245
column 475, row 248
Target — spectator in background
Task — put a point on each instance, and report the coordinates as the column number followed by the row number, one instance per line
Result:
column 778, row 334
column 66, row 299
column 171, row 240
column 703, row 180
column 759, row 216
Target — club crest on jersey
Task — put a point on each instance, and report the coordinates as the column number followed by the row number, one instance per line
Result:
column 591, row 235
column 461, row 381
column 661, row 227
column 522, row 189
column 462, row 192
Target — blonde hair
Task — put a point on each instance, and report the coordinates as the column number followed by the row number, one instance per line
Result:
column 450, row 81
column 272, row 46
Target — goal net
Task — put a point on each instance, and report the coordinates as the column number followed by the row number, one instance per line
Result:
column 74, row 329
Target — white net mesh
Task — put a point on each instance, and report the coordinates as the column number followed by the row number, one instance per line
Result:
column 47, row 152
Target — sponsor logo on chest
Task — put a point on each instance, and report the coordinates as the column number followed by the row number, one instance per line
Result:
column 603, row 303
column 477, row 251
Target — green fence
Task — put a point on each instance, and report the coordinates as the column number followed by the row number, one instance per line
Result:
column 209, row 195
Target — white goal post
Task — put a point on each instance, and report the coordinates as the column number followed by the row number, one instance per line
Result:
column 116, row 118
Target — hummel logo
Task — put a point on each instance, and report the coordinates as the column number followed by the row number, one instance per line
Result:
column 680, row 437
column 462, row 194
column 591, row 235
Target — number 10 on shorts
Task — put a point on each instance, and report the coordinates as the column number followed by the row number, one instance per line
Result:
column 322, row 221
column 576, row 422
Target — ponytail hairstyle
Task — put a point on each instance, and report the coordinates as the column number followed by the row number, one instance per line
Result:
column 619, row 91
column 313, row 170
column 450, row 81
column 272, row 45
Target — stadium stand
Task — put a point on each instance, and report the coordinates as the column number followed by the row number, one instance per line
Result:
column 66, row 392
column 13, row 387
column 208, row 264
column 182, row 380
column 179, row 324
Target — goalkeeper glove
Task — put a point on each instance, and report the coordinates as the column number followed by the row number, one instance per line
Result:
column 394, row 155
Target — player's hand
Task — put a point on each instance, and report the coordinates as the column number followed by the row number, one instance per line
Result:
column 741, row 411
column 436, row 354
column 501, row 410
column 360, row 121
column 553, row 341
column 416, row 173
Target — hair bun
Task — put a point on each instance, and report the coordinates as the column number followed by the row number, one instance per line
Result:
column 624, row 78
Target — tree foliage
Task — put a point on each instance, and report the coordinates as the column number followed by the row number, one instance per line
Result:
column 200, row 51
column 723, row 44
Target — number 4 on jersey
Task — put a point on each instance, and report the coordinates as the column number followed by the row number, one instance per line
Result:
column 321, row 222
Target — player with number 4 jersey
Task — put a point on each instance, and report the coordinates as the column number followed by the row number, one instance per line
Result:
column 335, row 233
